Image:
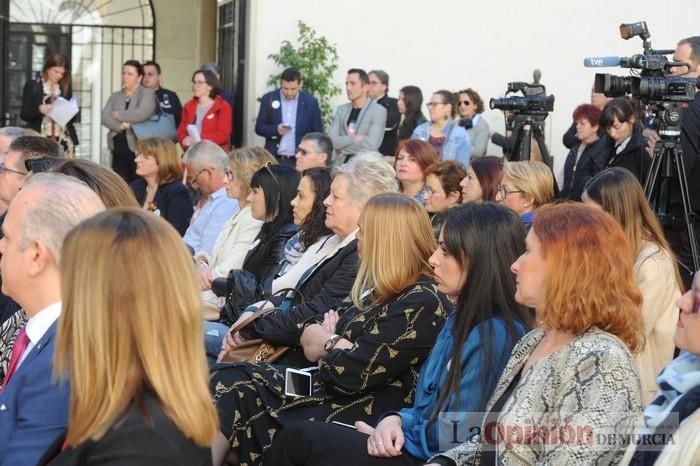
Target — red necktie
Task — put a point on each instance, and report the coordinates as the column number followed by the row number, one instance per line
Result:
column 21, row 343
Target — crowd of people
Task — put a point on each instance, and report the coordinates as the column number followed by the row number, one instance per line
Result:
column 445, row 306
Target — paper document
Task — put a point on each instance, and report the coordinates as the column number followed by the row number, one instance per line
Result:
column 62, row 111
column 193, row 132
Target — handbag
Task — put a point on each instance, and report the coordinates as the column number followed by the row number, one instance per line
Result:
column 258, row 350
column 160, row 125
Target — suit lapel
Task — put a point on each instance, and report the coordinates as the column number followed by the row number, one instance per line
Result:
column 39, row 347
column 278, row 111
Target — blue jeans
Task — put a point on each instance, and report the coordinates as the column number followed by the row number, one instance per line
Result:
column 214, row 333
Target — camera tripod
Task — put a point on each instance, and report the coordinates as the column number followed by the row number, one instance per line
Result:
column 668, row 166
column 525, row 128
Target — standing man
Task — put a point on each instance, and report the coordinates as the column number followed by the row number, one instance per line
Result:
column 34, row 405
column 286, row 115
column 168, row 100
column 378, row 91
column 358, row 126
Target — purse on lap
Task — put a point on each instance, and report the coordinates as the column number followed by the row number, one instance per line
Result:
column 258, row 350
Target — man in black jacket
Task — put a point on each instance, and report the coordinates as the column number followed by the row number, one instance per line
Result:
column 169, row 101
column 378, row 91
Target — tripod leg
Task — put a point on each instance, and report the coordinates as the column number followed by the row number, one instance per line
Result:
column 539, row 139
column 526, row 142
column 688, row 214
column 653, row 175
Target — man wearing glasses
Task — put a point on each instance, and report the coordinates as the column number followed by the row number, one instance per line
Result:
column 168, row 100
column 314, row 151
column 205, row 163
column 286, row 115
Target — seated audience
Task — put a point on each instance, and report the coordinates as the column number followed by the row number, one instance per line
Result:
column 626, row 147
column 617, row 192
column 272, row 189
column 675, row 411
column 442, row 190
column 470, row 108
column 33, row 403
column 159, row 188
column 369, row 348
column 331, row 279
column 207, row 111
column 479, row 335
column 413, row 157
column 450, row 141
column 239, row 232
column 138, row 392
column 587, row 157
column 482, row 179
column 576, row 367
column 314, row 151
column 205, row 163
column 524, row 187
column 409, row 103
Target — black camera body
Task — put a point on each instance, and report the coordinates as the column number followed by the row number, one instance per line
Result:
column 533, row 102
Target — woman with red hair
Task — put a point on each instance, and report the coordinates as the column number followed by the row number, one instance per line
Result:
column 572, row 381
column 413, row 157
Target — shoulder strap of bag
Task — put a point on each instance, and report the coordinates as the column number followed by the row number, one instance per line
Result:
column 262, row 311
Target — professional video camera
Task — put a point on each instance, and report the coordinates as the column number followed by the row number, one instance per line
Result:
column 653, row 83
column 526, row 118
column 662, row 96
column 533, row 102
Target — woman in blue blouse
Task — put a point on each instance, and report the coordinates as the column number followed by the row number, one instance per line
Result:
column 450, row 141
column 480, row 334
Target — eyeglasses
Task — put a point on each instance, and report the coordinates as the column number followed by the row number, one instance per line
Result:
column 433, row 104
column 193, row 180
column 199, row 82
column 267, row 167
column 4, row 169
column 464, row 102
column 503, row 191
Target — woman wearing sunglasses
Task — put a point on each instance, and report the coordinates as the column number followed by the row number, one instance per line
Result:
column 675, row 411
column 450, row 141
column 470, row 108
column 525, row 186
column 617, row 192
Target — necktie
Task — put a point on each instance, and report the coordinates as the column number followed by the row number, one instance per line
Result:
column 21, row 343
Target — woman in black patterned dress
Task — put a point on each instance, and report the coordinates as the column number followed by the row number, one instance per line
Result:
column 369, row 352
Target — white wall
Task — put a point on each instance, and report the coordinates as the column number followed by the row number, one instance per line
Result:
column 455, row 44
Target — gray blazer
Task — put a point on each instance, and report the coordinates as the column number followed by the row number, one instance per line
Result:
column 370, row 123
column 479, row 136
column 141, row 107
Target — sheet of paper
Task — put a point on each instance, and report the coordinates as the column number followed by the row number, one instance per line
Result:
column 62, row 111
column 193, row 132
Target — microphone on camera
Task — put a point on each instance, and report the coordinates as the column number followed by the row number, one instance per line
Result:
column 601, row 62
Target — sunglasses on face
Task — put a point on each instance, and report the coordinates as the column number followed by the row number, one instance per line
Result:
column 464, row 102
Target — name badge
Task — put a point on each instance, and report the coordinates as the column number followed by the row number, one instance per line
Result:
column 210, row 116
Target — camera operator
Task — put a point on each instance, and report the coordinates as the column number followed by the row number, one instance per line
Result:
column 687, row 51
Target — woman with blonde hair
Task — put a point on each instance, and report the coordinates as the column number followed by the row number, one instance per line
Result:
column 138, row 379
column 574, row 373
column 525, row 186
column 238, row 233
column 618, row 192
column 159, row 188
column 369, row 349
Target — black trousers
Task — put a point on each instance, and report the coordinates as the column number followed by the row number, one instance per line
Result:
column 123, row 159
column 679, row 241
column 311, row 443
column 285, row 160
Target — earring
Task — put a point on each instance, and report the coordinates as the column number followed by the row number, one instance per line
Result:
column 526, row 204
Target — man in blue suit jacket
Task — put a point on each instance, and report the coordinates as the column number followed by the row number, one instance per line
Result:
column 286, row 115
column 33, row 405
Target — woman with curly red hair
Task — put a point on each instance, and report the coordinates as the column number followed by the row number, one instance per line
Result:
column 575, row 371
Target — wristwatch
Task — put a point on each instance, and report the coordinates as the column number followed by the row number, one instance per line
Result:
column 330, row 343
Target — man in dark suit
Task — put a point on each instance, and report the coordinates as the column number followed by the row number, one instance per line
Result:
column 286, row 115
column 168, row 100
column 378, row 91
column 33, row 405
